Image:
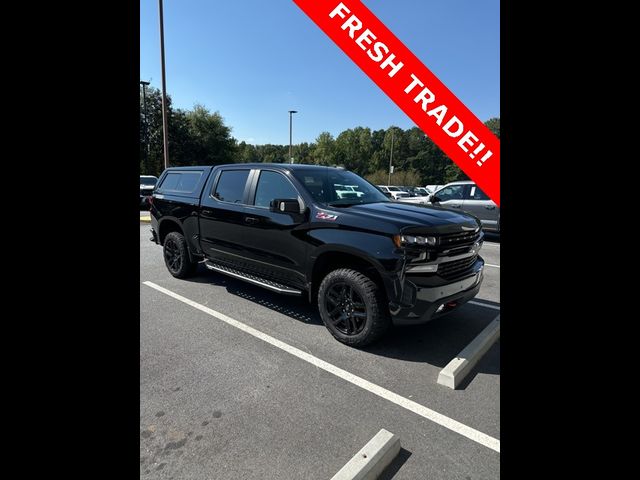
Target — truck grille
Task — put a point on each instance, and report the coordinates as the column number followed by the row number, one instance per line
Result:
column 456, row 268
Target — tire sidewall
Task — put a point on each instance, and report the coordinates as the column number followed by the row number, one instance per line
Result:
column 185, row 266
column 371, row 306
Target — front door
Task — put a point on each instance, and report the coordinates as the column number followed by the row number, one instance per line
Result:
column 452, row 196
column 274, row 239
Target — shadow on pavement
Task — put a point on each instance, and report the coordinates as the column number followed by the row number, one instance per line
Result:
column 390, row 472
column 435, row 343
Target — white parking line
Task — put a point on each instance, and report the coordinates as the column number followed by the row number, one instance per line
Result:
column 449, row 423
column 484, row 304
column 491, row 265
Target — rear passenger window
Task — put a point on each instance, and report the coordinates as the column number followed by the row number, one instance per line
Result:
column 231, row 185
column 184, row 182
column 170, row 181
column 477, row 194
column 273, row 185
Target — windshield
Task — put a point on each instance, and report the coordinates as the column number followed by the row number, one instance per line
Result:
column 148, row 181
column 329, row 186
column 394, row 189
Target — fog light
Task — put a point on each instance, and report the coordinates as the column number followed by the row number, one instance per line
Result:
column 440, row 308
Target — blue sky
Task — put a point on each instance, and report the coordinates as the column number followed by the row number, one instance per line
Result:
column 253, row 60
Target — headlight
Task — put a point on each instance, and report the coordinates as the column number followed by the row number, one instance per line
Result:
column 404, row 240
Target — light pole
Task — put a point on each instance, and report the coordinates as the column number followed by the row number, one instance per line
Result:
column 146, row 126
column 390, row 158
column 291, row 112
column 165, row 130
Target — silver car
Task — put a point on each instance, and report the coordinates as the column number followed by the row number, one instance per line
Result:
column 468, row 197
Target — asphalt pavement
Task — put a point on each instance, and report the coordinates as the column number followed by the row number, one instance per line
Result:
column 216, row 402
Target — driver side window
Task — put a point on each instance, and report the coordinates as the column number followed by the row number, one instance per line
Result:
column 454, row 192
column 273, row 185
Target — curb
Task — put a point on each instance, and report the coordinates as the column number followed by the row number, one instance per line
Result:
column 372, row 459
column 457, row 369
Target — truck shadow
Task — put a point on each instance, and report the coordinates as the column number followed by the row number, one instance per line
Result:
column 435, row 343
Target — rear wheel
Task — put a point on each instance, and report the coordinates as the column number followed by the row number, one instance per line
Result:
column 351, row 307
column 176, row 256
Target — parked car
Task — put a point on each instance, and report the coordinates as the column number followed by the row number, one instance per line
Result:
column 421, row 191
column 392, row 189
column 147, row 182
column 368, row 263
column 433, row 188
column 468, row 197
column 410, row 196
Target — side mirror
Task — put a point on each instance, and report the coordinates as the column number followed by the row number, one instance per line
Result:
column 434, row 199
column 285, row 205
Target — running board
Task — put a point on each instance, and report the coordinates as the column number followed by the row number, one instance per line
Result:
column 247, row 277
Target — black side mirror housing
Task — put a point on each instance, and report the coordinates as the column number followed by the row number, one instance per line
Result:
column 285, row 205
column 434, row 199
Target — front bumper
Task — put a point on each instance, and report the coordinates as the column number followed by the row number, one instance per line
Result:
column 424, row 302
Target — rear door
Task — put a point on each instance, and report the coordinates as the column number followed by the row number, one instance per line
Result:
column 222, row 216
column 479, row 204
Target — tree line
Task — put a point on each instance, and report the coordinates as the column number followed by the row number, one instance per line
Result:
column 199, row 137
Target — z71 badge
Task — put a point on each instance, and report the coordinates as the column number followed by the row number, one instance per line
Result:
column 326, row 216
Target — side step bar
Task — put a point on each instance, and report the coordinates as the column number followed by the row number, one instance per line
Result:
column 247, row 277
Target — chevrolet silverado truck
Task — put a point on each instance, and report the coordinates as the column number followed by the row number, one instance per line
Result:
column 367, row 262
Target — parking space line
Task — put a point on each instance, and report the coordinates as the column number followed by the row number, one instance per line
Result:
column 491, row 265
column 421, row 410
column 495, row 307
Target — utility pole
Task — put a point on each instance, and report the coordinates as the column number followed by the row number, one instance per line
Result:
column 146, row 127
column 291, row 112
column 390, row 159
column 165, row 127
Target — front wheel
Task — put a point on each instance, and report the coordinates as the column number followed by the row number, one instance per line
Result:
column 176, row 256
column 351, row 307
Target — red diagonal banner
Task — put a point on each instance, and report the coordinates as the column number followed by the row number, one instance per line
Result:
column 412, row 86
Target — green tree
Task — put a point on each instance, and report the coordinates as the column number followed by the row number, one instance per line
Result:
column 324, row 150
column 211, row 140
column 494, row 125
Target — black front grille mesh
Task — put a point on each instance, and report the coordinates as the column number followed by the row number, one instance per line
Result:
column 456, row 268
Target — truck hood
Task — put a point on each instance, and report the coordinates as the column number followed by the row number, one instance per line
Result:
column 393, row 217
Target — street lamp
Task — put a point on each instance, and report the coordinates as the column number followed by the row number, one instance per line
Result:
column 391, row 159
column 291, row 112
column 165, row 132
column 146, row 126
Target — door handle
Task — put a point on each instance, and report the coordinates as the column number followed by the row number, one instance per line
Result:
column 207, row 212
column 455, row 206
column 251, row 220
column 490, row 207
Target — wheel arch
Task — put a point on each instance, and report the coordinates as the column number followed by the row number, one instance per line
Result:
column 341, row 257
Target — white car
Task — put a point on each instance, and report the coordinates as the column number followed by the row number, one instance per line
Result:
column 406, row 197
column 392, row 190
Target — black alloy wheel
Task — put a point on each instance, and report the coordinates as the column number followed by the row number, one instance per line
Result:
column 345, row 308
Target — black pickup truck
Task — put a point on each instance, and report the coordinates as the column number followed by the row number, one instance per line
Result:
column 322, row 232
